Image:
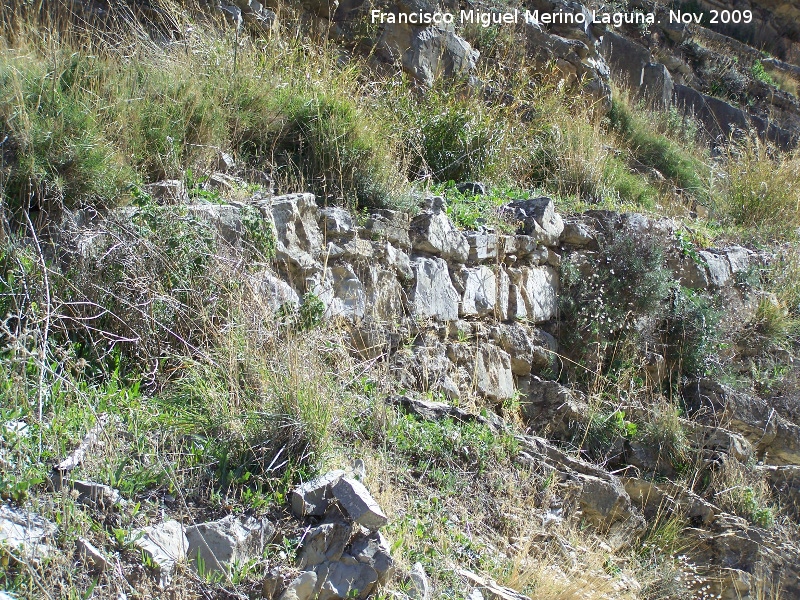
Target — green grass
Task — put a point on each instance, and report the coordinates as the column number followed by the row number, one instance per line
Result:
column 652, row 149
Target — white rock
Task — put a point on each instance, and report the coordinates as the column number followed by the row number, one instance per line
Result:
column 432, row 232
column 493, row 376
column 165, row 545
column 432, row 294
column 26, row 533
column 91, row 555
column 539, row 289
column 358, row 503
column 480, row 291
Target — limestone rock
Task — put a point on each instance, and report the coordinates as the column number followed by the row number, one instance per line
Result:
column 482, row 246
column 538, row 218
column 164, row 545
column 346, row 578
column 427, row 53
column 373, row 550
column 336, row 223
column 301, row 588
column 311, row 498
column 358, row 503
column 480, row 292
column 432, row 293
column 298, row 238
column 538, row 289
column 90, row 555
column 432, row 232
column 391, row 226
column 514, row 340
column 220, row 544
column 493, row 376
column 324, row 543
column 274, row 291
column 26, row 533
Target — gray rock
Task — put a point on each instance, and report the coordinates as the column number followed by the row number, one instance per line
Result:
column 220, row 544
column 324, row 543
column 349, row 298
column 480, row 293
column 577, row 233
column 391, row 226
column 549, row 405
column 373, row 550
column 427, row 53
column 274, row 291
column 493, row 377
column 538, row 218
column 301, row 588
column 346, row 578
column 770, row 428
column 164, row 545
column 26, row 533
column 97, row 494
column 482, row 246
column 169, row 191
column 738, row 259
column 358, row 503
column 90, row 555
column 432, row 294
column 719, row 270
column 419, row 581
column 298, row 238
column 311, row 498
column 336, row 223
column 225, row 218
column 538, row 289
column 514, row 340
column 432, row 232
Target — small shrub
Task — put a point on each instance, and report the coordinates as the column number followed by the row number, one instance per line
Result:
column 758, row 71
column 691, row 332
column 603, row 298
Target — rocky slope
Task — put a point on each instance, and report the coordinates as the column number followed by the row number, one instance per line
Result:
column 474, row 319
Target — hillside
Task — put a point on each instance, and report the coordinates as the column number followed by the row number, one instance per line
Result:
column 300, row 305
